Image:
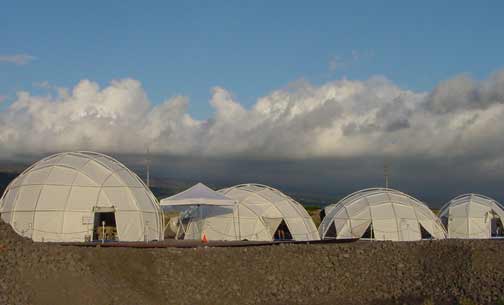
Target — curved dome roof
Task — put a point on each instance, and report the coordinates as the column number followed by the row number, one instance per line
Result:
column 389, row 214
column 274, row 206
column 471, row 215
column 54, row 198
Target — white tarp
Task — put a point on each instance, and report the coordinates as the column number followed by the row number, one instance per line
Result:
column 56, row 198
column 472, row 216
column 198, row 194
column 388, row 214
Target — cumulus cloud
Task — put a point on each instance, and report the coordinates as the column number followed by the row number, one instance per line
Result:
column 343, row 119
column 17, row 59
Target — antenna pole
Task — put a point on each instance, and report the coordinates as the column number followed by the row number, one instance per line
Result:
column 386, row 174
column 147, row 163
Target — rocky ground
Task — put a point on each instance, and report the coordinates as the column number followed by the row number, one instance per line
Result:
column 437, row 272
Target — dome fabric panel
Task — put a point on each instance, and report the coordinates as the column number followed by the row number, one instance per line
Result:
column 57, row 197
column 390, row 214
column 472, row 216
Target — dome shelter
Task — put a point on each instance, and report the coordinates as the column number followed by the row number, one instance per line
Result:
column 380, row 214
column 222, row 223
column 473, row 216
column 283, row 217
column 79, row 196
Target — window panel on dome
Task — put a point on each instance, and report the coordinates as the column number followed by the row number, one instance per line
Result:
column 357, row 206
column 114, row 166
column 47, row 226
column 385, row 229
column 377, row 198
column 27, row 197
column 96, row 172
column 75, row 228
column 23, row 222
column 53, row 197
column 82, row 198
column 114, row 180
column 119, row 197
column 73, row 161
column 61, row 176
column 143, row 201
column 38, row 176
column 404, row 211
column 9, row 200
column 127, row 178
column 84, row 181
column 382, row 211
column 129, row 225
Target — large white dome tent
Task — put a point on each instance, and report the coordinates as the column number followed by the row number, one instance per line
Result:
column 66, row 196
column 473, row 216
column 380, row 214
column 279, row 212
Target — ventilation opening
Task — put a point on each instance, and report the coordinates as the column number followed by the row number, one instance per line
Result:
column 369, row 232
column 497, row 227
column 424, row 233
column 104, row 226
column 282, row 232
column 322, row 214
column 331, row 232
column 444, row 221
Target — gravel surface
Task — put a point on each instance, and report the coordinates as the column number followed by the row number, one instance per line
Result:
column 427, row 272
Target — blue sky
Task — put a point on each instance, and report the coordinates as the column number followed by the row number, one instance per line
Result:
column 251, row 49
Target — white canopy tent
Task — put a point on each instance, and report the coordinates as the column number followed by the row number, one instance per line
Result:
column 275, row 209
column 380, row 214
column 473, row 216
column 198, row 194
column 215, row 215
column 64, row 197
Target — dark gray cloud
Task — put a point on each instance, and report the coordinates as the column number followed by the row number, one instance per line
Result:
column 329, row 139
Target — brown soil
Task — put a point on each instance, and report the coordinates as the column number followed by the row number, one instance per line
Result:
column 357, row 273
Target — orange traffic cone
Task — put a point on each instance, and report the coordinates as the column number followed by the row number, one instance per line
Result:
column 204, row 238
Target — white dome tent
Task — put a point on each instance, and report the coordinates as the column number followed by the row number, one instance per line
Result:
column 472, row 216
column 67, row 196
column 380, row 214
column 277, row 211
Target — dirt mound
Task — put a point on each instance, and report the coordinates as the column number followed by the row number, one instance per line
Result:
column 358, row 273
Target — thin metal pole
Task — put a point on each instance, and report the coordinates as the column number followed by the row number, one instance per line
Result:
column 147, row 161
column 239, row 226
column 103, row 232
column 386, row 174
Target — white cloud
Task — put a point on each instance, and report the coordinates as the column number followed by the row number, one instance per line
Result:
column 18, row 59
column 461, row 117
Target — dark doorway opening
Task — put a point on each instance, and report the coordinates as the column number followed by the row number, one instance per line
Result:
column 282, row 232
column 104, row 226
column 331, row 232
column 369, row 232
column 497, row 227
column 424, row 233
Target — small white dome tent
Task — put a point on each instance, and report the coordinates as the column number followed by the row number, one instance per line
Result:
column 380, row 214
column 473, row 216
column 67, row 196
column 279, row 212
